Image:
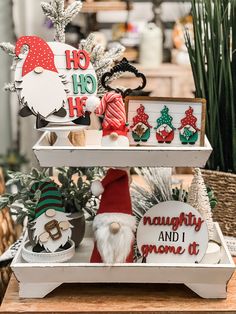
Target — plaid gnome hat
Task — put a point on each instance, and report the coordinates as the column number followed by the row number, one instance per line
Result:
column 50, row 197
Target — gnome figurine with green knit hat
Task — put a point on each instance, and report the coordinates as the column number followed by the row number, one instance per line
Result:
column 51, row 227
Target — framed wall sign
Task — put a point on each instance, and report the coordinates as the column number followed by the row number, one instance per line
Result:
column 172, row 232
column 157, row 121
column 54, row 81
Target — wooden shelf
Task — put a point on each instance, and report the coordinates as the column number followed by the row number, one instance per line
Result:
column 94, row 7
column 140, row 156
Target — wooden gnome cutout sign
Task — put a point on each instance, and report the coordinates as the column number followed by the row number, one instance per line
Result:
column 188, row 131
column 164, row 128
column 175, row 121
column 141, row 127
column 51, row 226
column 172, row 232
column 55, row 82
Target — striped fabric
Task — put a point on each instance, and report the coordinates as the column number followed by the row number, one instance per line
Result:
column 50, row 197
column 113, row 109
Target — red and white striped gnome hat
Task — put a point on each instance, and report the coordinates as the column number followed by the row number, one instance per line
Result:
column 112, row 106
column 39, row 55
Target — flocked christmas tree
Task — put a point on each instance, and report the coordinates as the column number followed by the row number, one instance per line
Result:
column 188, row 129
column 199, row 199
column 164, row 128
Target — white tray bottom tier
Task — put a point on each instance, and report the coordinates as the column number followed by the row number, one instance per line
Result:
column 140, row 156
column 207, row 280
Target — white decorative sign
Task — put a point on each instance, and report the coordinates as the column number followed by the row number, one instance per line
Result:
column 172, row 232
column 55, row 81
column 157, row 121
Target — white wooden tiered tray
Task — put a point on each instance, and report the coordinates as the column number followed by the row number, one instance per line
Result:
column 140, row 156
column 36, row 280
column 207, row 280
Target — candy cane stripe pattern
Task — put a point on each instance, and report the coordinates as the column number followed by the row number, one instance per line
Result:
column 113, row 107
column 114, row 129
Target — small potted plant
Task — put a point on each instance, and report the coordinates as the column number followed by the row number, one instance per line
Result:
column 74, row 186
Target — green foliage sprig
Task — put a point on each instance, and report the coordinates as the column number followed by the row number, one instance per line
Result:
column 74, row 187
column 19, row 202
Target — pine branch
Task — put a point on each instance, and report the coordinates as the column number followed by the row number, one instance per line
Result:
column 60, row 16
column 10, row 87
column 8, row 48
column 102, row 60
column 158, row 189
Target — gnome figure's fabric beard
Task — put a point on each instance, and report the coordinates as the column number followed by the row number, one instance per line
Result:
column 51, row 245
column 43, row 93
column 114, row 248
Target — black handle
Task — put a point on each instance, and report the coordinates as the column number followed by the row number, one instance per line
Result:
column 123, row 66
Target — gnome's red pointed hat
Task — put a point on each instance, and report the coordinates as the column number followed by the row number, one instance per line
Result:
column 115, row 193
column 141, row 117
column 39, row 55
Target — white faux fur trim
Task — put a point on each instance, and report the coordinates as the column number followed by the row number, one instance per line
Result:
column 97, row 188
column 107, row 218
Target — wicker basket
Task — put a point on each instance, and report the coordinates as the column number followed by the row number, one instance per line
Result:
column 224, row 187
column 7, row 237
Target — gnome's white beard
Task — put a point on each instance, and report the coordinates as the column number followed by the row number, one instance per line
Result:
column 38, row 228
column 120, row 141
column 114, row 248
column 43, row 93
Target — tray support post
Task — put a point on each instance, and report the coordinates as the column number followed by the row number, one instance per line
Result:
column 36, row 290
column 209, row 291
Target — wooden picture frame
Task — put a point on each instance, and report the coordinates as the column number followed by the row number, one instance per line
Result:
column 177, row 108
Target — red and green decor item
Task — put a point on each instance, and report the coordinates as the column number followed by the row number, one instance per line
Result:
column 141, row 127
column 164, row 128
column 188, row 130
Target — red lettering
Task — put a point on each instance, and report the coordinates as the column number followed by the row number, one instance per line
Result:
column 175, row 222
column 161, row 249
column 78, row 107
column 193, row 248
column 147, row 220
column 79, row 58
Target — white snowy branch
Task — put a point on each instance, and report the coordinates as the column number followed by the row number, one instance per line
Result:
column 10, row 87
column 60, row 16
column 102, row 60
column 198, row 198
column 8, row 48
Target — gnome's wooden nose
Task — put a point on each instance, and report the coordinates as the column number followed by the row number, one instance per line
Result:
column 38, row 70
column 114, row 227
column 113, row 136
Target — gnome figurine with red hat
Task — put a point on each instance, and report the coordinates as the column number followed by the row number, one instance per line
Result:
column 114, row 126
column 42, row 91
column 114, row 224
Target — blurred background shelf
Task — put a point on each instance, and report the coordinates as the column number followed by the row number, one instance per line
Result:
column 97, row 6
